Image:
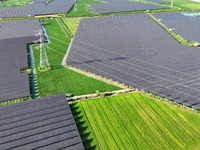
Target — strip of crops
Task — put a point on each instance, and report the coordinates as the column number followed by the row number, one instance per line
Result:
column 60, row 79
column 132, row 121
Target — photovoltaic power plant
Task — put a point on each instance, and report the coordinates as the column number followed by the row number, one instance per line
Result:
column 157, row 1
column 38, row 7
column 187, row 27
column 14, row 37
column 135, row 50
column 111, row 6
column 43, row 123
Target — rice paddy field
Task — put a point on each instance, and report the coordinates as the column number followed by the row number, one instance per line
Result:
column 60, row 79
column 132, row 121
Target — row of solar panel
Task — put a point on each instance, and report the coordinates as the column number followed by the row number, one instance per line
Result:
column 137, row 52
column 44, row 123
column 185, row 26
column 121, row 6
column 53, row 7
column 14, row 37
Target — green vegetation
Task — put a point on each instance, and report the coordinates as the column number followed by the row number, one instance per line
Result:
column 184, row 5
column 82, row 9
column 14, row 101
column 71, row 23
column 60, row 79
column 13, row 3
column 132, row 121
column 64, row 28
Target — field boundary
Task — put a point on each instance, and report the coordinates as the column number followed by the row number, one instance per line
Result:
column 100, row 95
column 89, row 74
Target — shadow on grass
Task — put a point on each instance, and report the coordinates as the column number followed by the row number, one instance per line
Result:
column 83, row 128
column 57, row 67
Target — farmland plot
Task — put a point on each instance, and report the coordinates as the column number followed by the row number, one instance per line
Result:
column 135, row 50
column 132, row 121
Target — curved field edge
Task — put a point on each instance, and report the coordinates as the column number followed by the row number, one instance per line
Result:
column 133, row 121
column 60, row 79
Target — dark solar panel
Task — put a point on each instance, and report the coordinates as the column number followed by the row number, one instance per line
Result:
column 14, row 37
column 185, row 26
column 135, row 50
column 42, row 128
column 39, row 8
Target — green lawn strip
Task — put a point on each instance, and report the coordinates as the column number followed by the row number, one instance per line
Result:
column 133, row 124
column 144, row 136
column 169, row 135
column 174, row 121
column 182, row 131
column 110, row 124
column 104, row 128
column 184, row 4
column 82, row 10
column 97, row 128
column 186, row 130
column 85, row 130
column 14, row 101
column 159, row 128
column 64, row 28
column 60, row 79
column 118, row 123
column 71, row 23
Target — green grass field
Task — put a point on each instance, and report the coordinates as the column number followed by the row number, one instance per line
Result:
column 60, row 79
column 184, row 4
column 132, row 121
column 13, row 3
column 82, row 10
column 71, row 23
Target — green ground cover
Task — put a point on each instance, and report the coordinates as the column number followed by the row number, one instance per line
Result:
column 82, row 10
column 13, row 3
column 184, row 5
column 71, row 23
column 132, row 121
column 60, row 79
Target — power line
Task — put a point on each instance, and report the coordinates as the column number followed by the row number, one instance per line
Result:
column 44, row 62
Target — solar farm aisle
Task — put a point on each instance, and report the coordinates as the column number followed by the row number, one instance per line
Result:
column 132, row 121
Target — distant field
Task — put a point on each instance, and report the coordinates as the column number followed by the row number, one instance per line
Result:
column 82, row 10
column 13, row 3
column 60, row 79
column 132, row 121
column 184, row 4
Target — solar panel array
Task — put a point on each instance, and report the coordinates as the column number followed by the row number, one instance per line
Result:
column 157, row 1
column 111, row 6
column 186, row 26
column 43, row 123
column 14, row 37
column 135, row 50
column 38, row 7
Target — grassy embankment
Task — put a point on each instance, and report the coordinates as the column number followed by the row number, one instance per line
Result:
column 60, row 79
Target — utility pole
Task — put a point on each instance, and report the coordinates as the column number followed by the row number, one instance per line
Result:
column 44, row 63
column 171, row 3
